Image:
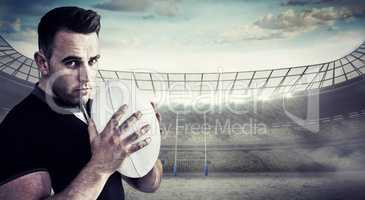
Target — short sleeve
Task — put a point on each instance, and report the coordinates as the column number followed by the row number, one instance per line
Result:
column 19, row 155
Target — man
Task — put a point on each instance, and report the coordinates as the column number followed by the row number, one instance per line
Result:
column 47, row 154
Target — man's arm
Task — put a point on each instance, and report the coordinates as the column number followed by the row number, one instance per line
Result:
column 37, row 186
column 33, row 186
column 87, row 185
column 108, row 149
column 150, row 182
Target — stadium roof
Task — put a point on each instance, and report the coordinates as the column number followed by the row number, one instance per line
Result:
column 267, row 82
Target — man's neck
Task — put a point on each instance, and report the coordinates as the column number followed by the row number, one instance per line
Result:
column 42, row 84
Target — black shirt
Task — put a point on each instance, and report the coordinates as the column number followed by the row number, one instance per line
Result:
column 33, row 137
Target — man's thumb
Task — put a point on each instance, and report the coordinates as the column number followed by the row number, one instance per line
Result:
column 93, row 132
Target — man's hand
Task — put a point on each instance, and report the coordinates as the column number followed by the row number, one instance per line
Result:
column 151, row 181
column 111, row 146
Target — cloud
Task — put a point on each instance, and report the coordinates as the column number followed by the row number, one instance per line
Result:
column 10, row 26
column 124, row 5
column 357, row 7
column 306, row 2
column 15, row 30
column 166, row 8
column 293, row 21
column 25, row 35
column 358, row 10
column 158, row 7
column 24, row 7
column 16, row 17
column 250, row 32
column 289, row 23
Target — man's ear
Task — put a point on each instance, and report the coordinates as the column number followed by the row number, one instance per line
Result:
column 42, row 63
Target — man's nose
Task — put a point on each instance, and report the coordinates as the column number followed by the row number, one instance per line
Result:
column 85, row 74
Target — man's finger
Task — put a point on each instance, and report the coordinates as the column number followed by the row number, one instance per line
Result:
column 92, row 130
column 114, row 120
column 158, row 115
column 130, row 121
column 153, row 105
column 120, row 112
column 134, row 136
column 137, row 146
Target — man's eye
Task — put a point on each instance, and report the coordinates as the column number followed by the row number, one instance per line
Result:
column 93, row 62
column 73, row 64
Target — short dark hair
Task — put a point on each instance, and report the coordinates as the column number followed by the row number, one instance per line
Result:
column 73, row 19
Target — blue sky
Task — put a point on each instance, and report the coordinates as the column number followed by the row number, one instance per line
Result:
column 204, row 35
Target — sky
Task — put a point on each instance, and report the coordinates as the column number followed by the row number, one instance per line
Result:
column 204, row 35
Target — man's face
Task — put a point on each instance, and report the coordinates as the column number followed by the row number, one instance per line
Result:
column 74, row 64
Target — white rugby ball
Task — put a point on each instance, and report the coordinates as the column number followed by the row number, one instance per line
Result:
column 107, row 98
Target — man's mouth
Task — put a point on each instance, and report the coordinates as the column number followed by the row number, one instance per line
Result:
column 83, row 91
column 84, row 88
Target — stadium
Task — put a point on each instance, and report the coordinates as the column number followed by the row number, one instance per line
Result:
column 282, row 133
